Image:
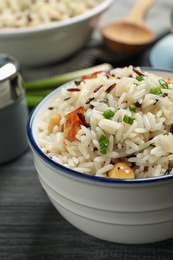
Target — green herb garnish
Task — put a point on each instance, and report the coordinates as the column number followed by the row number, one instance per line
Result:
column 140, row 78
column 128, row 120
column 132, row 108
column 103, row 150
column 163, row 83
column 108, row 114
column 104, row 142
column 155, row 91
column 105, row 100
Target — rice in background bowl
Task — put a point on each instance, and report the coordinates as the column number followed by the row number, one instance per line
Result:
column 49, row 42
column 29, row 13
column 107, row 103
column 132, row 211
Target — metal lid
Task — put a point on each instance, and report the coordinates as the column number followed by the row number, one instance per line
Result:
column 10, row 80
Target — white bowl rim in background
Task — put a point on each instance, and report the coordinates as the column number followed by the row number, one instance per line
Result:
column 52, row 25
column 75, row 174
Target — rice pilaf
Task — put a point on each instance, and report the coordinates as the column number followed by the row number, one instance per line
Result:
column 124, row 115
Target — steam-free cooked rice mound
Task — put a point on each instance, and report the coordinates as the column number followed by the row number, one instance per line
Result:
column 123, row 115
column 27, row 13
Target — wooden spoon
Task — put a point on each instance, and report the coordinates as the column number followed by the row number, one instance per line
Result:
column 129, row 34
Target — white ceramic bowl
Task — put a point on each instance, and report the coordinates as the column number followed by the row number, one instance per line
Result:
column 124, row 211
column 42, row 45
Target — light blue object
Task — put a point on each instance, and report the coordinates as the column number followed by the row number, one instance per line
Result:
column 161, row 55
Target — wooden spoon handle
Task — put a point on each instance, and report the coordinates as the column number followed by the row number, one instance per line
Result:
column 138, row 12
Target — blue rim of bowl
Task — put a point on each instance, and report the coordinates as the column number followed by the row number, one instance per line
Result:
column 60, row 24
column 79, row 175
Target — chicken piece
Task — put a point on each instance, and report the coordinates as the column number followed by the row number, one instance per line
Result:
column 72, row 124
column 169, row 81
column 93, row 75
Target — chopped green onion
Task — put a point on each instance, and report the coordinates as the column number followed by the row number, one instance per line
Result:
column 104, row 142
column 102, row 138
column 140, row 78
column 132, row 108
column 108, row 114
column 163, row 83
column 155, row 91
column 103, row 150
column 128, row 120
column 105, row 100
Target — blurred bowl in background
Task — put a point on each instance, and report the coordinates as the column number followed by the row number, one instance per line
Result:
column 171, row 20
column 38, row 46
